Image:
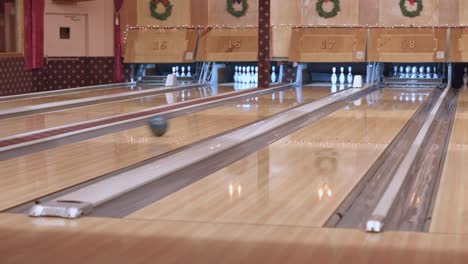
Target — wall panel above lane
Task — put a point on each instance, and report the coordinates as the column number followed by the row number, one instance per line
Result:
column 348, row 15
column 328, row 45
column 228, row 45
column 407, row 45
column 181, row 14
column 218, row 14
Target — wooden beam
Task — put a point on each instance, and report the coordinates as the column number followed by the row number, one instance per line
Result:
column 264, row 43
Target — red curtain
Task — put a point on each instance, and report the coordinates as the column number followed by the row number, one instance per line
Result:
column 2, row 6
column 118, row 75
column 34, row 34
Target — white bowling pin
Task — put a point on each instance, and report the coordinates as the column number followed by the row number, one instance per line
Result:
column 414, row 72
column 334, row 78
column 183, row 72
column 408, row 72
column 465, row 77
column 177, row 71
column 421, row 72
column 350, row 76
column 395, row 71
column 174, row 71
column 252, row 74
column 402, row 72
column 189, row 72
column 342, row 77
column 273, row 74
column 428, row 72
column 435, row 76
column 243, row 75
column 236, row 74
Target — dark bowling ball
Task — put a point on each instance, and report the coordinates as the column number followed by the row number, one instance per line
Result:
column 158, row 125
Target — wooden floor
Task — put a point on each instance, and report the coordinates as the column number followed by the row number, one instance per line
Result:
column 67, row 96
column 298, row 181
column 27, row 177
column 13, row 126
column 99, row 240
column 451, row 210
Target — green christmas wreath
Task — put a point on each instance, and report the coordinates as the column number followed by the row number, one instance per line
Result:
column 414, row 13
column 232, row 11
column 160, row 16
column 332, row 13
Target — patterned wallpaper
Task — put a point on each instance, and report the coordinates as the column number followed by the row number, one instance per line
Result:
column 13, row 78
column 59, row 73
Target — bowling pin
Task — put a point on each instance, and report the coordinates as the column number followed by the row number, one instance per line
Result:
column 189, row 73
column 465, row 77
column 242, row 75
column 402, row 72
column 395, row 71
column 183, row 72
column 408, row 72
column 174, row 71
column 236, row 74
column 435, row 76
column 273, row 74
column 246, row 78
column 177, row 71
column 428, row 72
column 342, row 77
column 421, row 72
column 414, row 72
column 334, row 78
column 350, row 76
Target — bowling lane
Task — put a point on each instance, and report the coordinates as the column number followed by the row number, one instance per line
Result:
column 299, row 180
column 12, row 126
column 450, row 213
column 25, row 178
column 69, row 96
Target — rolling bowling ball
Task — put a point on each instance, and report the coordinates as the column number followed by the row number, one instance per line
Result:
column 158, row 125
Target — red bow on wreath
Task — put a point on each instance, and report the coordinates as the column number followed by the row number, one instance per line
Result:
column 166, row 2
column 412, row 2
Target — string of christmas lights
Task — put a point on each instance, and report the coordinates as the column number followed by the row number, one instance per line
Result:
column 244, row 27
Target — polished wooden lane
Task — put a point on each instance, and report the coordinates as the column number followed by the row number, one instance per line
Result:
column 100, row 240
column 299, row 180
column 25, row 178
column 69, row 96
column 12, row 126
column 450, row 214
